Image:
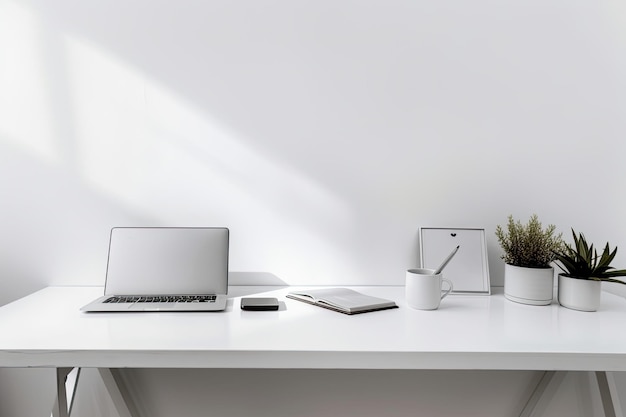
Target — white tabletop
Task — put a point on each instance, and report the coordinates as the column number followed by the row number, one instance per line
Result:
column 467, row 332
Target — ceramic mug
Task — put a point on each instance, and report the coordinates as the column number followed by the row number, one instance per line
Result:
column 424, row 290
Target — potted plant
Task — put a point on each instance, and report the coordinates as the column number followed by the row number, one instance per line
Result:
column 579, row 285
column 529, row 249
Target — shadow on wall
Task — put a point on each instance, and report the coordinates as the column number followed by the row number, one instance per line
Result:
column 55, row 229
column 321, row 135
column 254, row 278
column 116, row 132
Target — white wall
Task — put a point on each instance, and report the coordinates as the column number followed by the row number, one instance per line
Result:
column 323, row 133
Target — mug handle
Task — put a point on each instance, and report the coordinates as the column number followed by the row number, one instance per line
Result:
column 446, row 292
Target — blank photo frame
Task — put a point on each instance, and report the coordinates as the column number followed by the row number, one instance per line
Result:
column 468, row 270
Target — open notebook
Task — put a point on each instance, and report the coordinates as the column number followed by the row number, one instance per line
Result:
column 165, row 269
column 343, row 300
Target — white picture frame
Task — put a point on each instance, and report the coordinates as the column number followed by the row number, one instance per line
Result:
column 469, row 268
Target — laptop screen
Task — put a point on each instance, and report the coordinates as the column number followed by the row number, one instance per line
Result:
column 167, row 261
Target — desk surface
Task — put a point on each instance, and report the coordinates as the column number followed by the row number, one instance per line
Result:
column 467, row 332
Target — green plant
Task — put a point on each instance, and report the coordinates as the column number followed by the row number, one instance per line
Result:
column 529, row 245
column 582, row 261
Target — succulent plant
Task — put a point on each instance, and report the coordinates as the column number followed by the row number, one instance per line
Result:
column 582, row 261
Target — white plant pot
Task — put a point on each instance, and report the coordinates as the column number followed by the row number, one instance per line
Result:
column 534, row 286
column 579, row 294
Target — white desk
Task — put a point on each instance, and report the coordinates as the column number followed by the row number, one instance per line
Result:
column 46, row 329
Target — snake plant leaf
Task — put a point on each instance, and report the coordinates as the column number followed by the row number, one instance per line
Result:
column 615, row 273
column 582, row 261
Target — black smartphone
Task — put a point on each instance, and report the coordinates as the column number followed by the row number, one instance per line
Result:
column 259, row 303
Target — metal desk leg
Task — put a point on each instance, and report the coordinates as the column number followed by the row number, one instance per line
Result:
column 118, row 391
column 543, row 393
column 608, row 394
column 60, row 408
column 550, row 382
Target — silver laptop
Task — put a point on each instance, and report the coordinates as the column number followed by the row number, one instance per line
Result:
column 165, row 269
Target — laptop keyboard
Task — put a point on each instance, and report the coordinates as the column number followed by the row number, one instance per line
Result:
column 162, row 299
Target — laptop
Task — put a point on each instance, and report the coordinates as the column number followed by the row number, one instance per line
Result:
column 165, row 269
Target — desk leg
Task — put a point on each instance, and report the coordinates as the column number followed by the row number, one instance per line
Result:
column 543, row 393
column 549, row 383
column 608, row 394
column 118, row 392
column 60, row 408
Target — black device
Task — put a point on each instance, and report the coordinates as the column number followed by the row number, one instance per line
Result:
column 259, row 303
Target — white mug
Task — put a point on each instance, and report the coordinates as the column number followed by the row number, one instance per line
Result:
column 424, row 290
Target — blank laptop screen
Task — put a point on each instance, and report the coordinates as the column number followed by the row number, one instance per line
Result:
column 167, row 260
